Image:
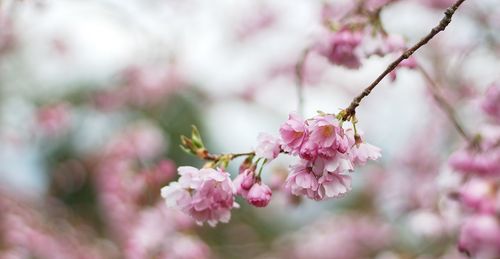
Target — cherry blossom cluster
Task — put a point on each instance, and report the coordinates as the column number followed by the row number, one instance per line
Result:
column 479, row 195
column 327, row 154
column 353, row 31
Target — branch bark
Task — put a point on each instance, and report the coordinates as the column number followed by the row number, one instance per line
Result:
column 350, row 111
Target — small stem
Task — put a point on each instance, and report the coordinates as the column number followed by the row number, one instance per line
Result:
column 354, row 121
column 235, row 155
column 351, row 109
column 444, row 105
column 261, row 167
column 299, row 81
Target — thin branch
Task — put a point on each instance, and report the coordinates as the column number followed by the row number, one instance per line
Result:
column 299, row 81
column 205, row 155
column 351, row 110
column 444, row 105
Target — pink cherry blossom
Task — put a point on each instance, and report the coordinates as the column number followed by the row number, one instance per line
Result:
column 268, row 146
column 206, row 194
column 293, row 132
column 319, row 180
column 326, row 134
column 259, row 195
column 302, row 181
column 362, row 152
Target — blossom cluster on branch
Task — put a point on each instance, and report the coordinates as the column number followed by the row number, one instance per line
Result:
column 327, row 152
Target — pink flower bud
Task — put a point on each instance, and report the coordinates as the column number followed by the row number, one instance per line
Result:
column 244, row 182
column 259, row 195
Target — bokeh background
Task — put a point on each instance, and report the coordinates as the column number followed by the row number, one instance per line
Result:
column 95, row 94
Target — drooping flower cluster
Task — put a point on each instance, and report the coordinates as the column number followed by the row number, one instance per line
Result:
column 479, row 195
column 328, row 154
column 491, row 102
column 482, row 158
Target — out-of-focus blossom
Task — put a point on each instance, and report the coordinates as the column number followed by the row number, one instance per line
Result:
column 491, row 102
column 141, row 140
column 53, row 119
column 479, row 195
column 382, row 45
column 482, row 156
column 26, row 233
column 143, row 86
column 427, row 224
column 206, row 194
column 480, row 236
column 341, row 48
column 259, row 20
column 409, row 63
column 151, row 237
column 476, row 161
column 7, row 34
column 438, row 4
column 349, row 236
column 373, row 5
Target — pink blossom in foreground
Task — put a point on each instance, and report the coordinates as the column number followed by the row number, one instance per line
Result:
column 293, row 132
column 206, row 194
column 268, row 146
column 326, row 136
column 360, row 151
column 491, row 102
column 318, row 181
column 259, row 195
column 328, row 154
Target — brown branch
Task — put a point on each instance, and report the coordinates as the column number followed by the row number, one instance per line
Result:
column 205, row 155
column 444, row 105
column 351, row 110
